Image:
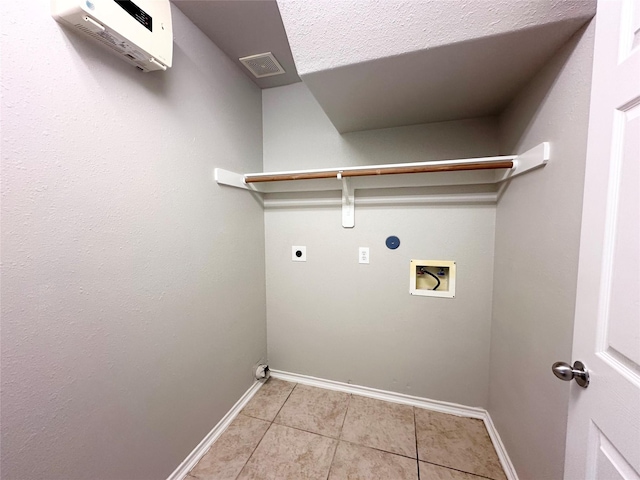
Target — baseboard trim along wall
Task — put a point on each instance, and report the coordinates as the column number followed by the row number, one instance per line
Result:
column 203, row 447
column 435, row 405
column 444, row 407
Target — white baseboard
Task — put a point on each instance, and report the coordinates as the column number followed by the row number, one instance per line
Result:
column 507, row 466
column 435, row 405
column 203, row 447
column 443, row 407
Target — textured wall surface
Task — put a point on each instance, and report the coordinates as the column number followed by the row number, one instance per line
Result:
column 326, row 34
column 334, row 318
column 536, row 262
column 128, row 327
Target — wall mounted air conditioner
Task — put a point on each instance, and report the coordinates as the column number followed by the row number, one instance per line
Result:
column 139, row 32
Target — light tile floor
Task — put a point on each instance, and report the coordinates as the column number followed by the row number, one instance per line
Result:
column 290, row 431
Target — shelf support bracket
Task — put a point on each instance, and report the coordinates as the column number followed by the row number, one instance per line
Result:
column 536, row 157
column 232, row 179
column 348, row 202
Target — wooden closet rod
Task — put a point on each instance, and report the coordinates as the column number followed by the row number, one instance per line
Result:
column 378, row 171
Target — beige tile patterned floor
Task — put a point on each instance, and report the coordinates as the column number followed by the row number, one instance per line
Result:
column 290, row 431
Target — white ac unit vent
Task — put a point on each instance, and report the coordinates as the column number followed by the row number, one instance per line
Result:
column 140, row 33
column 262, row 65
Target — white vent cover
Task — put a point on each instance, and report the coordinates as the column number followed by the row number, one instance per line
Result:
column 262, row 65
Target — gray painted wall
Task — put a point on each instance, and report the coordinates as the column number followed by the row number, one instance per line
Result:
column 298, row 134
column 128, row 326
column 536, row 261
column 334, row 318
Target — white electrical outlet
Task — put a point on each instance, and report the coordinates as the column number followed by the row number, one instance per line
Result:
column 363, row 255
column 299, row 254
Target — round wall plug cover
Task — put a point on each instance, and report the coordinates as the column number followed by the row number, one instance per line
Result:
column 392, row 242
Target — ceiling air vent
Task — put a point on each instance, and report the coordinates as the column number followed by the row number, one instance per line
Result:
column 262, row 65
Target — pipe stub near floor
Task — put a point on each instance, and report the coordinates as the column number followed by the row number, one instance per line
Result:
column 262, row 372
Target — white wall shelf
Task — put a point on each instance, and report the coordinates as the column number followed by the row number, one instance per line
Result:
column 469, row 171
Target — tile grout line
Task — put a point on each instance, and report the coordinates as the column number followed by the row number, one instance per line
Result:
column 344, row 419
column 251, row 416
column 339, row 436
column 283, row 403
column 415, row 431
column 377, row 449
column 254, row 450
column 335, row 450
column 265, row 432
column 306, row 431
column 458, row 470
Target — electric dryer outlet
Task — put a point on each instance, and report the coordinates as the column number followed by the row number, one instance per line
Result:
column 299, row 253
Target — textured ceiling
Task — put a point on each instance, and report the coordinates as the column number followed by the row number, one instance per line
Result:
column 244, row 27
column 387, row 63
column 377, row 64
column 326, row 34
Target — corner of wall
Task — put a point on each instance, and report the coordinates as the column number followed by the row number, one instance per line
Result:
column 536, row 259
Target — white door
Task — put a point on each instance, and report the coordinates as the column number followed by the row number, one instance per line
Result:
column 603, row 434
